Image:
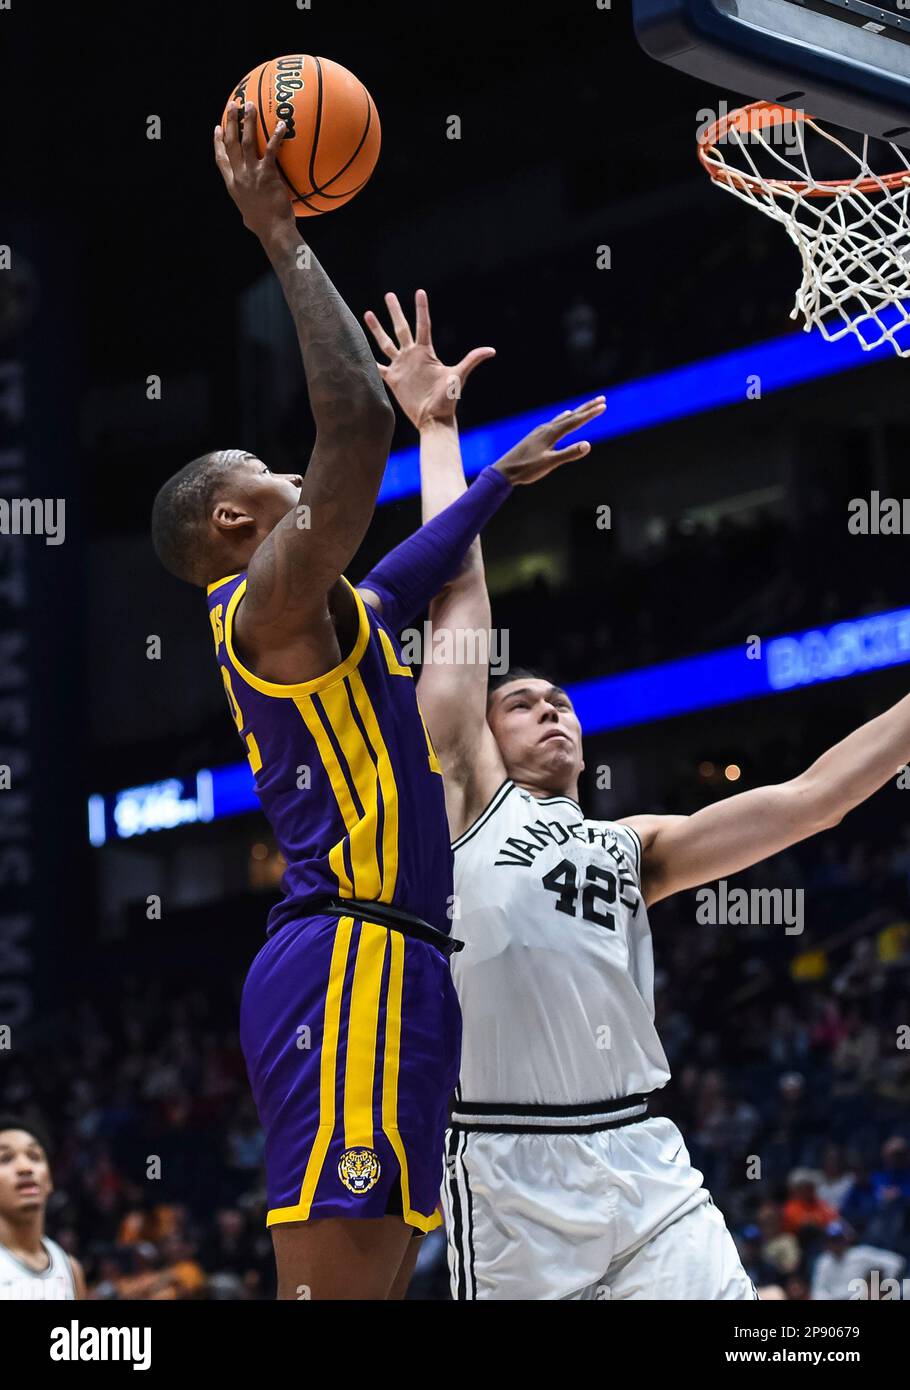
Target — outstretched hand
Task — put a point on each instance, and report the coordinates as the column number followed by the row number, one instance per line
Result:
column 253, row 182
column 536, row 455
column 425, row 388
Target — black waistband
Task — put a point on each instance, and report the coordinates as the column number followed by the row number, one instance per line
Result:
column 493, row 1117
column 393, row 917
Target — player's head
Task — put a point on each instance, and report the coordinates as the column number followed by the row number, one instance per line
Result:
column 837, row 1235
column 25, row 1173
column 209, row 518
column 536, row 729
column 896, row 1153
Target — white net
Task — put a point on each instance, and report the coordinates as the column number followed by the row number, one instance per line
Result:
column 852, row 233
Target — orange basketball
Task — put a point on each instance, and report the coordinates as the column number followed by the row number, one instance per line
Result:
column 333, row 135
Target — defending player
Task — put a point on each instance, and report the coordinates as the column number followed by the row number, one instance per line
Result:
column 558, row 1184
column 32, row 1266
column 349, row 1021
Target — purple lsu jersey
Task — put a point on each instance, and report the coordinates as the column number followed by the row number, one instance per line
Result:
column 345, row 771
column 351, row 1030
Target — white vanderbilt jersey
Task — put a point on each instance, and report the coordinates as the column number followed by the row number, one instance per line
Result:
column 19, row 1283
column 556, row 979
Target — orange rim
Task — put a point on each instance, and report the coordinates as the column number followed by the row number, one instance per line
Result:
column 761, row 115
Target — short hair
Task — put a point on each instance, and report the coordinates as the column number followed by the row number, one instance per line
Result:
column 180, row 514
column 37, row 1131
column 514, row 673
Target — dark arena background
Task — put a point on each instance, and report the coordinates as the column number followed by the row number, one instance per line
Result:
column 568, row 224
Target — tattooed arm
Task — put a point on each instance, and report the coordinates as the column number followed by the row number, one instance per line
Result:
column 294, row 598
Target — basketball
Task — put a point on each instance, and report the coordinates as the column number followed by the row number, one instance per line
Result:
column 333, row 133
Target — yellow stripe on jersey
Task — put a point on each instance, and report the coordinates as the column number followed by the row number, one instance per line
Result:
column 431, row 751
column 252, row 747
column 363, row 1029
column 391, row 660
column 362, row 837
column 390, row 1082
column 218, row 582
column 215, row 618
column 339, row 787
column 253, row 753
column 388, row 786
column 327, row 1072
column 301, row 688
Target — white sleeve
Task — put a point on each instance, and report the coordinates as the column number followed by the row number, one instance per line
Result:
column 888, row 1261
column 821, row 1290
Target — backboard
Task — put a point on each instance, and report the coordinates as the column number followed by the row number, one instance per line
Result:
column 846, row 61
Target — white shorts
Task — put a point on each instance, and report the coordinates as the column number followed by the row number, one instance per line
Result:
column 619, row 1213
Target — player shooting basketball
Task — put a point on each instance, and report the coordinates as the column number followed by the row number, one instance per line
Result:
column 558, row 1183
column 349, row 1021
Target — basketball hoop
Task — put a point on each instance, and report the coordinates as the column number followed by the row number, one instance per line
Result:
column 853, row 234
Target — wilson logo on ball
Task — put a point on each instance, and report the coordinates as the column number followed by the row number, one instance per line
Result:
column 286, row 84
column 332, row 134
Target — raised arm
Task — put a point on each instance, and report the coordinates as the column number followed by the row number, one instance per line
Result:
column 296, row 566
column 685, row 851
column 403, row 584
column 428, row 392
column 453, row 696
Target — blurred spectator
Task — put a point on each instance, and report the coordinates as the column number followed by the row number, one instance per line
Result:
column 855, row 1058
column 797, row 1289
column 107, row 1285
column 804, row 1207
column 860, row 1203
column 863, row 975
column 893, row 1081
column 892, row 1180
column 779, row 1248
column 159, row 1184
column 184, row 1274
column 245, row 1141
column 789, row 1040
column 728, row 1123
column 826, row 1027
column 793, row 1124
column 760, row 1270
column 844, row 1265
column 836, row 1177
column 889, row 1222
column 227, row 1249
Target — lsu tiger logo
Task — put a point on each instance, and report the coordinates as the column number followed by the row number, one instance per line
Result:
column 359, row 1170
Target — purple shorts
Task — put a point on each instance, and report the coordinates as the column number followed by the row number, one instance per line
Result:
column 352, row 1039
